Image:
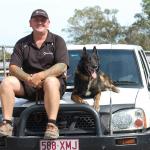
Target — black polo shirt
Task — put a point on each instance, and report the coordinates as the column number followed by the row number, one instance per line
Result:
column 33, row 59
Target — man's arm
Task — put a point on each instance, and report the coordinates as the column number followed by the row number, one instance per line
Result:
column 19, row 73
column 37, row 78
column 56, row 70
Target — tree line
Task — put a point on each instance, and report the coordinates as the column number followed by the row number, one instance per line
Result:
column 92, row 25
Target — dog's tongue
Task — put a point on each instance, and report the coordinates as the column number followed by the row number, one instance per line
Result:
column 94, row 75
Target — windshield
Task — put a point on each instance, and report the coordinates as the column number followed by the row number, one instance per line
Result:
column 120, row 65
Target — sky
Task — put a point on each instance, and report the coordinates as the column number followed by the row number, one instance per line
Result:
column 15, row 15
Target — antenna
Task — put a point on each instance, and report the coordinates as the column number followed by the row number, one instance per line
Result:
column 110, row 121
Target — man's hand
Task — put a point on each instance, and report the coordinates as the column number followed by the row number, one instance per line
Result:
column 36, row 80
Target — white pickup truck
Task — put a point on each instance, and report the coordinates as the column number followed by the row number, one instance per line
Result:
column 123, row 122
column 129, row 69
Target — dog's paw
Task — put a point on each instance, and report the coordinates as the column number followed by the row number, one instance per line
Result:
column 115, row 89
column 85, row 102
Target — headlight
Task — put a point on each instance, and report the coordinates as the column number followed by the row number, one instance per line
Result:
column 129, row 119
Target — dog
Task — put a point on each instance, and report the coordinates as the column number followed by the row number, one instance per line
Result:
column 89, row 81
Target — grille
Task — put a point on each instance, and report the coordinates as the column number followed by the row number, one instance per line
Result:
column 70, row 123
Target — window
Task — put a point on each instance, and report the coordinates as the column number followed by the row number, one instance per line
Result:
column 120, row 65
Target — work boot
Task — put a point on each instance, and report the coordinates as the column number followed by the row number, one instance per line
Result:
column 5, row 129
column 52, row 131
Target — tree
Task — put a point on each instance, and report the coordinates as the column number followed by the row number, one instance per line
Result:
column 139, row 32
column 91, row 25
column 146, row 7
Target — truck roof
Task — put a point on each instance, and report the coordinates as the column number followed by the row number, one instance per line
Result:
column 104, row 46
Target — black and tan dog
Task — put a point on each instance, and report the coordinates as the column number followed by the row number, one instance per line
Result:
column 89, row 81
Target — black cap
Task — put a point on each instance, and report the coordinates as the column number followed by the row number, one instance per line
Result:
column 39, row 12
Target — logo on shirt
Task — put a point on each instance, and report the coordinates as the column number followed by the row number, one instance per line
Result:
column 47, row 53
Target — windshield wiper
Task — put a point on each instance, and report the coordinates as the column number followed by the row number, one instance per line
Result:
column 117, row 82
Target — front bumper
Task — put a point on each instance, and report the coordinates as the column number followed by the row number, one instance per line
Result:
column 142, row 142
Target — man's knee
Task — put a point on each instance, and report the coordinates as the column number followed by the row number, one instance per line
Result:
column 9, row 82
column 51, row 82
column 6, row 82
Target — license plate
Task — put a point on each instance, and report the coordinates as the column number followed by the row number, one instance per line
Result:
column 59, row 144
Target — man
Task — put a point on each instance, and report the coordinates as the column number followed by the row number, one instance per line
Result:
column 38, row 64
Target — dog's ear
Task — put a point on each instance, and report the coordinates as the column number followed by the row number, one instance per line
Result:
column 84, row 51
column 94, row 50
